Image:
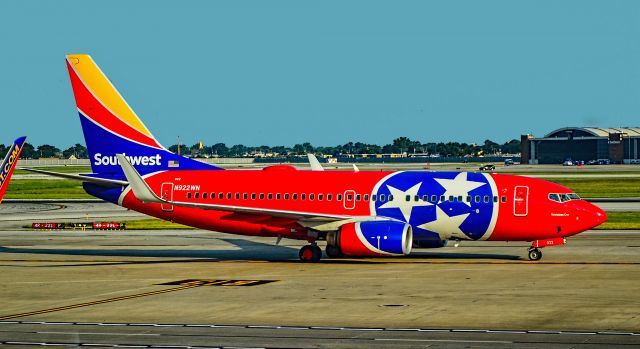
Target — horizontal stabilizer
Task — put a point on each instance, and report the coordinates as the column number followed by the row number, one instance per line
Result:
column 81, row 177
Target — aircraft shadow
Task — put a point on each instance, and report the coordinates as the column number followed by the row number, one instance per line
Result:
column 250, row 251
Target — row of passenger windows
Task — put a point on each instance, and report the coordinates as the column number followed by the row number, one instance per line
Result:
column 563, row 197
column 349, row 197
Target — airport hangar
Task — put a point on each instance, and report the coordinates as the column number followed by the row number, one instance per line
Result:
column 618, row 145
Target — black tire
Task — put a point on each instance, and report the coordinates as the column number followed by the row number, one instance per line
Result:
column 535, row 254
column 317, row 253
column 310, row 253
column 333, row 251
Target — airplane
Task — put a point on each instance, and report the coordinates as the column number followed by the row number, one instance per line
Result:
column 357, row 213
column 9, row 164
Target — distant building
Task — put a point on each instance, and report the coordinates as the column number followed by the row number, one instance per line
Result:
column 618, row 145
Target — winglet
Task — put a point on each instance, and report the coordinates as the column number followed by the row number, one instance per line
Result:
column 315, row 164
column 140, row 188
column 355, row 168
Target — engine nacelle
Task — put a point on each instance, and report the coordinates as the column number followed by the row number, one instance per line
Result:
column 375, row 238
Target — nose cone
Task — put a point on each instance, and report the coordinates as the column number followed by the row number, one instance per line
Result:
column 590, row 216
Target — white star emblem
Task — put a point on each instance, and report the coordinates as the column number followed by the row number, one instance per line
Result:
column 458, row 186
column 399, row 200
column 446, row 226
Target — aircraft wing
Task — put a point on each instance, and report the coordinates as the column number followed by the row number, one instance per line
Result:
column 81, row 177
column 143, row 192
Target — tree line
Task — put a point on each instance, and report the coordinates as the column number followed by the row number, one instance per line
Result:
column 400, row 145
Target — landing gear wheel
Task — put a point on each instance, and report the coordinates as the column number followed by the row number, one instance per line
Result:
column 535, row 254
column 310, row 253
column 333, row 251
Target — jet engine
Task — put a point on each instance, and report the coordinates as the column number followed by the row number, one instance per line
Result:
column 371, row 238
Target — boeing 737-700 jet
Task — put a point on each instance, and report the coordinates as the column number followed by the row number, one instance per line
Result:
column 357, row 213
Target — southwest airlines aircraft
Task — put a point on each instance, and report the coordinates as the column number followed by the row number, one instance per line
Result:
column 357, row 213
column 9, row 164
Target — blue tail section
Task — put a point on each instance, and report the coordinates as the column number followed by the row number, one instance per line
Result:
column 103, row 145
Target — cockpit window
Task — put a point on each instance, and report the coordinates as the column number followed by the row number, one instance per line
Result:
column 573, row 196
column 563, row 197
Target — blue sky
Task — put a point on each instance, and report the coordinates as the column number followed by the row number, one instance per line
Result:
column 327, row 72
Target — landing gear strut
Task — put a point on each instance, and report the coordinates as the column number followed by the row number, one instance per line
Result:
column 535, row 254
column 310, row 253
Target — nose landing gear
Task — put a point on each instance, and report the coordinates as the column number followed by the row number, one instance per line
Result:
column 535, row 254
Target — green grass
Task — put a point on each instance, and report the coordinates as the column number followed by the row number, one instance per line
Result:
column 154, row 224
column 46, row 189
column 621, row 221
column 601, row 187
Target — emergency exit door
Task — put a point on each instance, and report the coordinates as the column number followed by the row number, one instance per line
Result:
column 521, row 201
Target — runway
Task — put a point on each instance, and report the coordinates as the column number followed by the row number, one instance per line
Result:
column 200, row 288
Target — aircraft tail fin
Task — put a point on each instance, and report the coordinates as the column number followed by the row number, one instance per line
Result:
column 9, row 164
column 111, row 127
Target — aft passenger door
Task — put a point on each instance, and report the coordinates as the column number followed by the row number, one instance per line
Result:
column 166, row 193
column 521, row 201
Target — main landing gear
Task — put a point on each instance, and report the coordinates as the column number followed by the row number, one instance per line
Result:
column 310, row 253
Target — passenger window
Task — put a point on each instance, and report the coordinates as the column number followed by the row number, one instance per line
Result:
column 253, row 196
column 286, row 196
column 366, row 197
column 320, row 196
column 504, row 198
column 269, row 196
column 204, row 195
column 311, row 196
column 197, row 195
column 495, row 199
column 477, row 198
column 349, row 197
column 442, row 198
column 425, row 197
column 460, row 198
column 468, row 198
column 213, row 195
column 188, row 195
column 278, row 196
column 357, row 197
column 339, row 197
column 374, row 197
column 407, row 198
column 416, row 198
column 303, row 196
column 434, row 198
column 486, row 198
column 329, row 197
column 451, row 198
column 382, row 197
column 228, row 195
column 220, row 195
column 261, row 196
column 390, row 198
column 295, row 196
column 245, row 196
